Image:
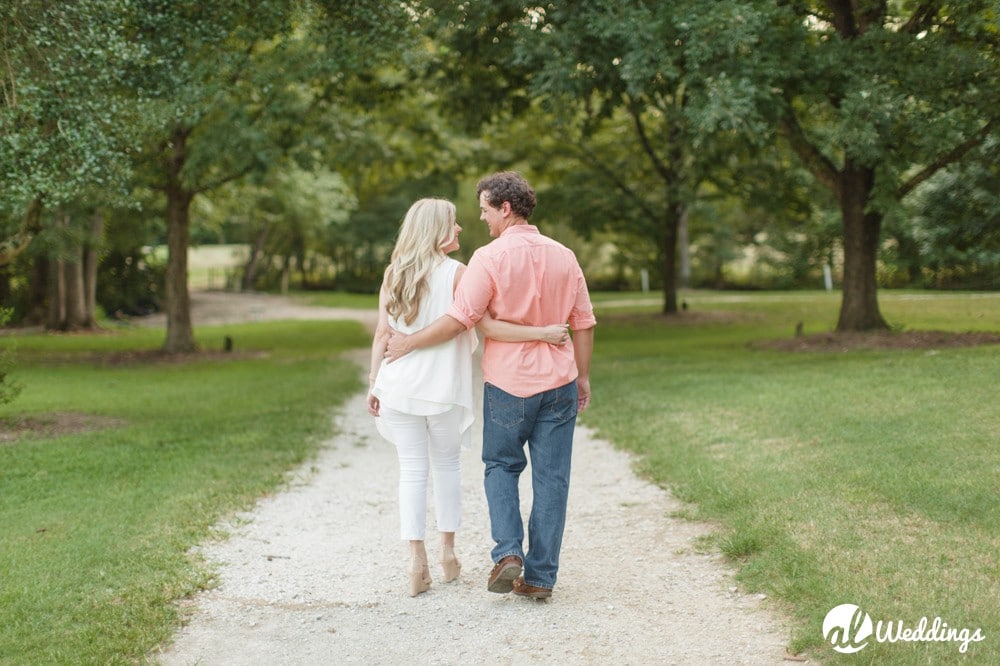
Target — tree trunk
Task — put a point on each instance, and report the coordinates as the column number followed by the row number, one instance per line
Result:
column 180, row 334
column 256, row 252
column 91, row 261
column 286, row 271
column 73, row 292
column 859, row 306
column 36, row 308
column 669, row 250
column 5, row 295
column 683, row 243
column 65, row 283
column 55, row 313
column 305, row 268
column 718, row 276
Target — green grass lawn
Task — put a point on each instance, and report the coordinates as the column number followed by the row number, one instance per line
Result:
column 97, row 525
column 864, row 477
column 337, row 299
column 851, row 477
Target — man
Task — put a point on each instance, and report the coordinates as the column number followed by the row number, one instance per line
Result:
column 532, row 390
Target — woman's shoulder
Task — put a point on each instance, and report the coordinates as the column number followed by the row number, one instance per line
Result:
column 449, row 267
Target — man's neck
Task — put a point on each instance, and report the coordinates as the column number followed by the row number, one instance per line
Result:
column 514, row 222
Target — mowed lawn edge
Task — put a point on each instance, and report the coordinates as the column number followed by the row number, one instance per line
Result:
column 866, row 477
column 99, row 523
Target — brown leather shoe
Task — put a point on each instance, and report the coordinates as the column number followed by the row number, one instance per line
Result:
column 522, row 589
column 503, row 574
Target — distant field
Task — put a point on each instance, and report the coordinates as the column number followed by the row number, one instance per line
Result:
column 210, row 266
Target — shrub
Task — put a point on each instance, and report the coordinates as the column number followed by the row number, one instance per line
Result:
column 9, row 390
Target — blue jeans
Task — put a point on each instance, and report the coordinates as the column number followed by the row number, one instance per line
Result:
column 546, row 422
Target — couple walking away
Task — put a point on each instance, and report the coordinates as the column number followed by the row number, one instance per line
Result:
column 524, row 292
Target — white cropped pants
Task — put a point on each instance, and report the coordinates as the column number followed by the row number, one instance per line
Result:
column 427, row 444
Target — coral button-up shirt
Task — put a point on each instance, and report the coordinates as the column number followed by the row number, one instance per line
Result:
column 525, row 278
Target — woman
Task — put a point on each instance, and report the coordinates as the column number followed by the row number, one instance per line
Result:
column 424, row 400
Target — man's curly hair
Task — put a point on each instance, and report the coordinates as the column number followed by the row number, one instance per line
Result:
column 511, row 187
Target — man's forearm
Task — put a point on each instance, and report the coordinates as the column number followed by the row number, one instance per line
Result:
column 583, row 349
column 443, row 329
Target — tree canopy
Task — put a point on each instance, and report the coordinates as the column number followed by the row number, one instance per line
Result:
column 875, row 99
column 61, row 136
column 813, row 132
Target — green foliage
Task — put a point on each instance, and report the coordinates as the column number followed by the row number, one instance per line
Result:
column 957, row 224
column 904, row 91
column 212, row 73
column 255, row 82
column 627, row 115
column 99, row 523
column 628, row 123
column 287, row 219
column 473, row 44
column 62, row 120
column 130, row 282
column 9, row 389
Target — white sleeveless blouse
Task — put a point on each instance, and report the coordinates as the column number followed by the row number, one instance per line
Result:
column 434, row 379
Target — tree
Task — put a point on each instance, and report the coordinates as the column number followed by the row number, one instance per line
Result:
column 62, row 126
column 211, row 90
column 619, row 87
column 875, row 98
column 235, row 87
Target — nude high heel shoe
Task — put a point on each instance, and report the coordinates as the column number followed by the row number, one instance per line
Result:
column 450, row 565
column 420, row 577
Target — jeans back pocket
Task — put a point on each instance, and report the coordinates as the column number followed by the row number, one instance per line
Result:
column 563, row 404
column 505, row 410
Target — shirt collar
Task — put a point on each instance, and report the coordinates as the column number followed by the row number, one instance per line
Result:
column 520, row 229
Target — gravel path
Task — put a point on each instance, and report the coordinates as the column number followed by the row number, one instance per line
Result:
column 316, row 574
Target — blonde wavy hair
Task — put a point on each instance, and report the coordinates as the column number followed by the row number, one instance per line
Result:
column 427, row 228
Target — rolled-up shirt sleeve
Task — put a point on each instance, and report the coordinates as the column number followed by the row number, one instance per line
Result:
column 473, row 294
column 582, row 315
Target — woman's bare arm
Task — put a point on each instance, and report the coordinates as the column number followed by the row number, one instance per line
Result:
column 505, row 331
column 379, row 343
